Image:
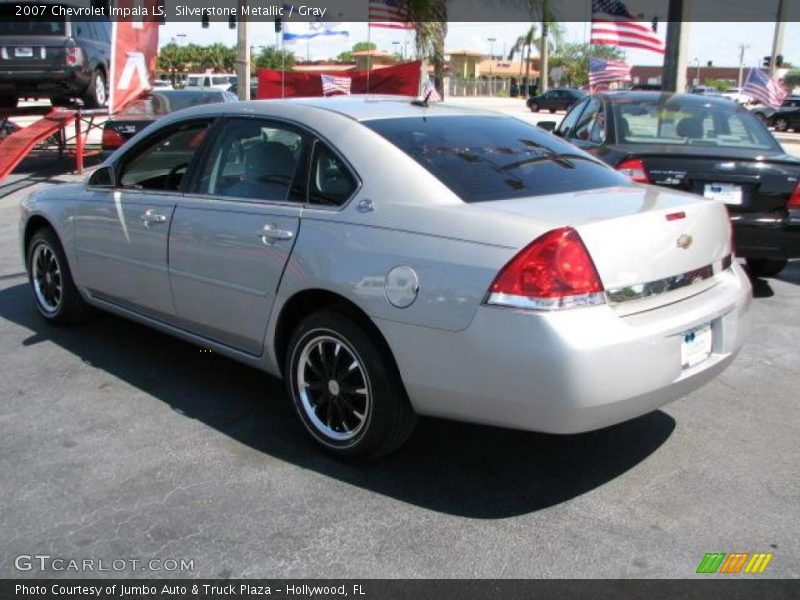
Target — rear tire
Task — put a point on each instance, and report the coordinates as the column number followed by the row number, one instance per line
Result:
column 54, row 291
column 765, row 267
column 97, row 94
column 345, row 390
column 552, row 111
column 9, row 101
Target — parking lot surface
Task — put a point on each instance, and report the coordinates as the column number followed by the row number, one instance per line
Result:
column 123, row 443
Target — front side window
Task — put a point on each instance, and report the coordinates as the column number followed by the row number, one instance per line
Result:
column 584, row 127
column 331, row 183
column 162, row 164
column 483, row 158
column 257, row 160
column 571, row 119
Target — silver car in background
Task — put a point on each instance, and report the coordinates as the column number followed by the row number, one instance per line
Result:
column 390, row 260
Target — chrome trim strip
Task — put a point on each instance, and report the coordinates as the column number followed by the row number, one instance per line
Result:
column 668, row 284
column 532, row 303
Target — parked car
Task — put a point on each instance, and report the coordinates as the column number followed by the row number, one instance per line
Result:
column 706, row 146
column 121, row 127
column 764, row 112
column 234, row 89
column 702, row 90
column 553, row 100
column 389, row 259
column 59, row 59
column 220, row 81
column 735, row 94
column 162, row 84
column 785, row 119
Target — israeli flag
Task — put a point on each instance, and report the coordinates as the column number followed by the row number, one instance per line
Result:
column 293, row 32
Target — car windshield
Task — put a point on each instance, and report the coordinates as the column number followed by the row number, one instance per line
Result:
column 690, row 124
column 485, row 158
column 11, row 25
column 179, row 99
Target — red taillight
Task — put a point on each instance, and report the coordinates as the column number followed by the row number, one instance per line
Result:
column 794, row 200
column 634, row 169
column 554, row 271
column 74, row 56
column 112, row 139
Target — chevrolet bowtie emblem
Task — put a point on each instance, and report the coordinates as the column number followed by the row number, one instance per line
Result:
column 685, row 241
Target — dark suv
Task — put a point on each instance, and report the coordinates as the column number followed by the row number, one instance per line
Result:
column 59, row 59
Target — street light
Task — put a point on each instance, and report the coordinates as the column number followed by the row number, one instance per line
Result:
column 396, row 45
column 697, row 64
column 491, row 41
column 181, row 36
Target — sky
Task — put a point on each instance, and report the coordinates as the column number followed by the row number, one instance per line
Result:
column 717, row 42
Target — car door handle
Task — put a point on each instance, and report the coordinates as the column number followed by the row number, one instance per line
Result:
column 149, row 217
column 271, row 234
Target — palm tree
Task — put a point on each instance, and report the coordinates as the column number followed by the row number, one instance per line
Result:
column 554, row 36
column 430, row 25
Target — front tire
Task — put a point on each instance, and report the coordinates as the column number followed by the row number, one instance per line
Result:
column 781, row 125
column 54, row 291
column 345, row 390
column 534, row 107
column 96, row 96
column 765, row 267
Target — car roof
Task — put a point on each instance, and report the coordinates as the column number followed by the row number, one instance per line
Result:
column 356, row 107
column 663, row 98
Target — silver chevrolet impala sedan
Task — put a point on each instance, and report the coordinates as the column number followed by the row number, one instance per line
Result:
column 390, row 259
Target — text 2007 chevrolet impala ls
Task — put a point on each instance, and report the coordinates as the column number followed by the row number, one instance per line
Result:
column 389, row 259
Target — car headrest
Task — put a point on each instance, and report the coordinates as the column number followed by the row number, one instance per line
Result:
column 690, row 127
column 625, row 128
column 268, row 159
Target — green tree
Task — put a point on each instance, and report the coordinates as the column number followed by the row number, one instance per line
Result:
column 573, row 58
column 792, row 79
column 347, row 55
column 274, row 58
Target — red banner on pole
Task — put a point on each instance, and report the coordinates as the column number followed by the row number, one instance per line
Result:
column 134, row 48
column 401, row 80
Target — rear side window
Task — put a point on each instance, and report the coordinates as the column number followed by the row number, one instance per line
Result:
column 484, row 158
column 331, row 183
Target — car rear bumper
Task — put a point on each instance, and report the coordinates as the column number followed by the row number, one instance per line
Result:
column 767, row 235
column 568, row 371
column 46, row 82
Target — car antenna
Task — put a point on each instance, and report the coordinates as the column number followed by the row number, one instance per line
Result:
column 424, row 102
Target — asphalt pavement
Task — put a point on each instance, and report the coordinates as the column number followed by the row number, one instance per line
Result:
column 119, row 442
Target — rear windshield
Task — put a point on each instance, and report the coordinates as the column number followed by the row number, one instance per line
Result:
column 692, row 124
column 485, row 158
column 13, row 25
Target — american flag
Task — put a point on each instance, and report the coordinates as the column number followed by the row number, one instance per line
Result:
column 764, row 88
column 613, row 25
column 334, row 84
column 602, row 70
column 391, row 14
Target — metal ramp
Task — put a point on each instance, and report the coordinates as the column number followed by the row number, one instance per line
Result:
column 53, row 124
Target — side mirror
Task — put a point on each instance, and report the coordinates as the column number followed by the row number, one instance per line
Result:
column 547, row 125
column 102, row 177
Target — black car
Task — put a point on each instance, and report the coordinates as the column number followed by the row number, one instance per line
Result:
column 766, row 113
column 59, row 59
column 703, row 145
column 553, row 100
column 121, row 127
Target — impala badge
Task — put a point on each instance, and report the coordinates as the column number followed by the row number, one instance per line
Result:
column 685, row 241
column 726, row 166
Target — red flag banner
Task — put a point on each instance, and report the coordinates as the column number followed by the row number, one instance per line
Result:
column 134, row 48
column 399, row 80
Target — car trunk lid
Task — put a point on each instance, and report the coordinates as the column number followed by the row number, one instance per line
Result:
column 636, row 235
column 744, row 181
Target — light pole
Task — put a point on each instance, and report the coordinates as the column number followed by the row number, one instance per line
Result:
column 491, row 41
column 697, row 65
column 181, row 37
column 396, row 45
